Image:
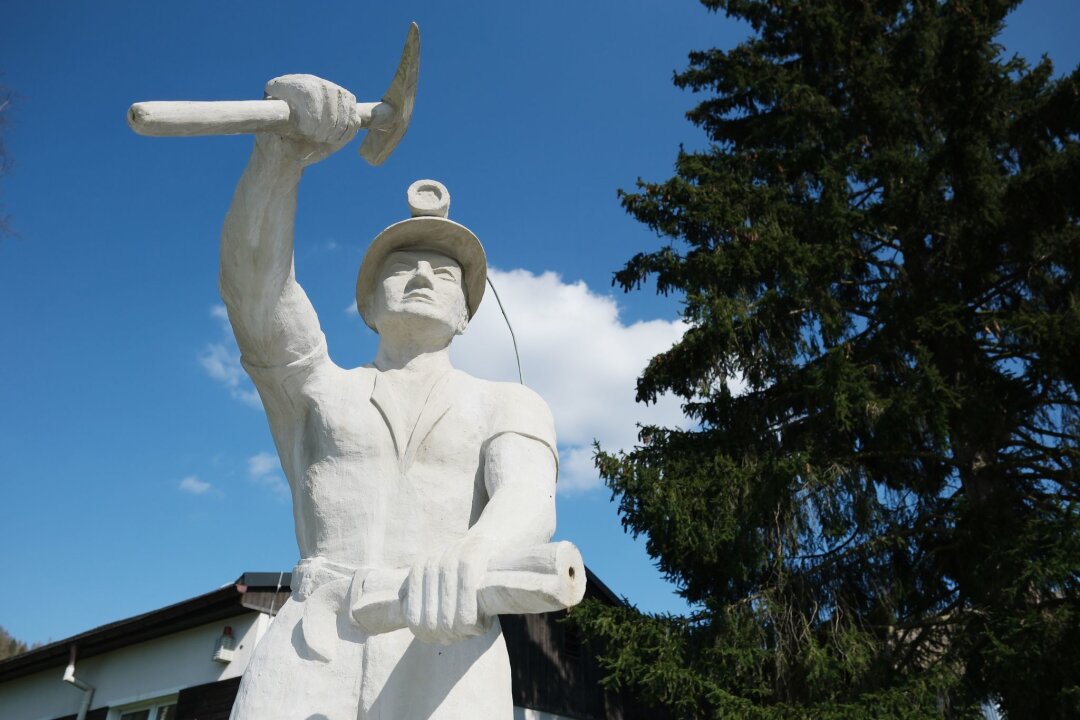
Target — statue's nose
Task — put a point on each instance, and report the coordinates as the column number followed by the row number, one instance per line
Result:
column 424, row 276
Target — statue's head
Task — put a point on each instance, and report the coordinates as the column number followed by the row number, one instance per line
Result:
column 427, row 266
column 419, row 284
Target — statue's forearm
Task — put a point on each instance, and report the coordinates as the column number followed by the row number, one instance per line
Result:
column 257, row 239
column 257, row 279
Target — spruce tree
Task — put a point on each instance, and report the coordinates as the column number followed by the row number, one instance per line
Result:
column 882, row 240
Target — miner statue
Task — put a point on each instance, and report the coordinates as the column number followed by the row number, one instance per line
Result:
column 423, row 498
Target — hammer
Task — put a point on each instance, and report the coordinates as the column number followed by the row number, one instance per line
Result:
column 537, row 579
column 385, row 121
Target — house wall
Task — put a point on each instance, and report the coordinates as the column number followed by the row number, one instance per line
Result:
column 138, row 672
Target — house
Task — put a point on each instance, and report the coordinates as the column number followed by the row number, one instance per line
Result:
column 184, row 662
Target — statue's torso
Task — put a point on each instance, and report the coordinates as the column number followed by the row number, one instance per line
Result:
column 373, row 489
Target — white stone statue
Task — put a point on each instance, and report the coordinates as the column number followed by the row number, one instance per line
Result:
column 403, row 463
column 424, row 499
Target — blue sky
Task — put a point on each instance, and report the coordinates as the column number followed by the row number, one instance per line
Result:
column 135, row 470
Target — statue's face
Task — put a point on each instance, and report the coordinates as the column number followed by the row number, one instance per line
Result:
column 421, row 284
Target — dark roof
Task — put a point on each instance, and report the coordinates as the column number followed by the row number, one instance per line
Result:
column 596, row 585
column 246, row 594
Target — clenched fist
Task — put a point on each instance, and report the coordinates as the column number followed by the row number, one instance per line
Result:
column 322, row 116
column 441, row 601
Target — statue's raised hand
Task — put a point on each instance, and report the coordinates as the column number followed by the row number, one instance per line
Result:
column 322, row 116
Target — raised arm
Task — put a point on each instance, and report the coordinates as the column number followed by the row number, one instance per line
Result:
column 271, row 316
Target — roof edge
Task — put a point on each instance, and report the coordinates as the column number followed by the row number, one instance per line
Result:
column 221, row 603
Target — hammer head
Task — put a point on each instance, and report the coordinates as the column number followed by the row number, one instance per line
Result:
column 397, row 107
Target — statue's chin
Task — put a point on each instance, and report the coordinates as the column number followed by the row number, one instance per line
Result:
column 418, row 320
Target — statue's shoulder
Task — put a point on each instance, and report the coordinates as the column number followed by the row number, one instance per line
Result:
column 509, row 407
column 499, row 393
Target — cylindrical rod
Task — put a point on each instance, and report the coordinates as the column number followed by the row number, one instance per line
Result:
column 527, row 580
column 183, row 118
column 231, row 117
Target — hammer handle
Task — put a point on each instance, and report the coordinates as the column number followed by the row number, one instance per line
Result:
column 182, row 118
column 230, row 117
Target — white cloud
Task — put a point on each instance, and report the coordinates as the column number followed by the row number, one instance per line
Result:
column 263, row 470
column 195, row 486
column 578, row 355
column 576, row 469
column 262, row 464
column 221, row 361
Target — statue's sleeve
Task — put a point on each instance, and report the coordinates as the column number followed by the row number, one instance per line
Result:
column 521, row 411
column 286, row 390
column 276, row 327
column 284, row 385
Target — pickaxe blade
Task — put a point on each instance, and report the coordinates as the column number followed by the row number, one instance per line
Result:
column 401, row 97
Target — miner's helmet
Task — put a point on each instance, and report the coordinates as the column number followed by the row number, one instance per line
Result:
column 429, row 228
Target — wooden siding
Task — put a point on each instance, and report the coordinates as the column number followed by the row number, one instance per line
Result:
column 552, row 671
column 548, row 674
column 212, row 701
column 265, row 601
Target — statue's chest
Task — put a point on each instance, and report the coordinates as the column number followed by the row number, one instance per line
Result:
column 391, row 486
column 402, row 500
column 371, row 433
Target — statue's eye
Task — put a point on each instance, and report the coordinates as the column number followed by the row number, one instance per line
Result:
column 445, row 272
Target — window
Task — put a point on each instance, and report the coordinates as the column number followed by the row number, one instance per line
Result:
column 161, row 709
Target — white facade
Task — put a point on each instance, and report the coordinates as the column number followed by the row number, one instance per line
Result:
column 137, row 674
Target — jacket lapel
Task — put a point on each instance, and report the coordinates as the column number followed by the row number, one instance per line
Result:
column 438, row 402
column 383, row 397
column 407, row 440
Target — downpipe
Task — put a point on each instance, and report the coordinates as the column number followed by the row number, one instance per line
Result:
column 88, row 690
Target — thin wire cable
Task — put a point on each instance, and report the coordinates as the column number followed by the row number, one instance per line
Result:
column 273, row 600
column 508, row 325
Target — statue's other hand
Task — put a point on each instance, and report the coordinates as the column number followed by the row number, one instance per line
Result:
column 322, row 115
column 441, row 603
